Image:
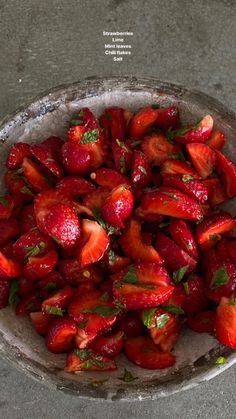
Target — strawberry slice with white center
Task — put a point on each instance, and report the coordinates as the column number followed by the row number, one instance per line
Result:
column 96, row 243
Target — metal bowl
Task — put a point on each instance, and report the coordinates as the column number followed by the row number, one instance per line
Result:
column 19, row 343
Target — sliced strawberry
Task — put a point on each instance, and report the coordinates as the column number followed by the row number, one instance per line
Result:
column 227, row 172
column 8, row 230
column 202, row 157
column 96, row 198
column 140, row 170
column 114, row 122
column 27, row 220
column 9, row 205
column 72, row 272
column 17, row 154
column 39, row 266
column 43, row 202
column 88, row 360
column 40, row 322
column 4, row 292
column 76, row 160
column 51, row 282
column 133, row 246
column 202, row 322
column 210, row 230
column 170, row 201
column 216, row 140
column 167, row 117
column 183, row 237
column 216, row 192
column 48, row 158
column 157, row 148
column 96, row 243
column 117, row 206
column 60, row 299
column 143, row 273
column 17, row 185
column 130, row 324
column 109, row 345
column 33, row 243
column 109, row 178
column 142, row 121
column 197, row 133
column 71, row 186
column 62, row 224
column 142, row 351
column 177, row 167
column 32, row 172
column 122, row 155
column 54, row 144
column 225, row 322
column 136, row 296
column 196, row 299
column 60, row 335
column 194, row 188
column 174, row 256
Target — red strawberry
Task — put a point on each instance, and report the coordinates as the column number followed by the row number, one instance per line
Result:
column 43, row 202
column 225, row 322
column 9, row 206
column 210, row 230
column 48, row 158
column 60, row 335
column 71, row 186
column 109, row 178
column 202, row 322
column 59, row 300
column 117, row 206
column 40, row 322
column 96, row 198
column 177, row 167
column 227, row 172
column 167, row 117
column 54, row 144
column 140, row 170
column 202, row 157
column 122, row 155
column 62, row 224
column 114, row 122
column 216, row 140
column 114, row 262
column 143, row 273
column 130, row 324
column 133, row 246
column 76, row 160
column 216, row 192
column 17, row 154
column 4, row 292
column 33, row 243
column 51, row 282
column 171, row 202
column 196, row 299
column 7, row 249
column 96, row 243
column 39, row 266
column 27, row 220
column 142, row 121
column 17, row 185
column 32, row 172
column 196, row 133
column 72, row 272
column 109, row 345
column 157, row 148
column 174, row 256
column 223, row 252
column 183, row 237
column 88, row 360
column 142, row 351
column 29, row 303
column 186, row 184
column 176, row 300
column 8, row 230
column 134, row 296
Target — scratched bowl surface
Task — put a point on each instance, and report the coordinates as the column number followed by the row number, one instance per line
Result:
column 19, row 344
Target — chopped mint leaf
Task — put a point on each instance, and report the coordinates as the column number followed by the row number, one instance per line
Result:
column 89, row 136
column 179, row 274
column 50, row 286
column 220, row 360
column 186, row 288
column 214, row 237
column 53, row 310
column 174, row 309
column 182, row 131
column 82, row 324
column 108, row 116
column 143, row 170
column 220, row 277
column 103, row 310
column 232, row 300
column 56, row 240
column 4, row 201
column 162, row 320
column 130, row 275
column 13, row 297
column 148, row 317
column 82, row 353
column 155, row 106
column 111, row 257
column 34, row 250
column 127, row 377
column 171, row 195
column 170, row 134
column 104, row 297
column 161, row 225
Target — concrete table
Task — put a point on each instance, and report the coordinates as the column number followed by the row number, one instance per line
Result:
column 47, row 43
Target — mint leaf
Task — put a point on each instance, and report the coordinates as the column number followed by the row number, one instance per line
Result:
column 214, row 237
column 102, row 310
column 155, row 106
column 34, row 250
column 82, row 324
column 89, row 136
column 220, row 277
column 104, row 297
column 182, row 131
column 143, row 170
column 4, row 201
column 53, row 310
column 174, row 309
column 127, row 377
column 179, row 273
column 13, row 297
column 130, row 276
column 148, row 317
column 186, row 288
column 82, row 353
column 111, row 257
column 171, row 195
column 220, row 360
column 187, row 178
column 50, row 286
column 162, row 320
column 170, row 134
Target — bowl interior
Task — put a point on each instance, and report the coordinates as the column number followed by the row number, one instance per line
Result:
column 19, row 343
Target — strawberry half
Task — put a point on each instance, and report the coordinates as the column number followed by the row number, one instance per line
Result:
column 202, row 157
column 33, row 243
column 142, row 351
column 133, row 246
column 113, row 121
column 76, row 160
column 96, row 243
column 216, row 192
column 71, row 271
column 48, row 158
column 17, row 185
column 210, row 230
column 177, row 167
column 225, row 322
column 195, row 290
column 43, row 202
column 195, row 134
column 17, row 154
column 122, row 155
column 216, row 140
column 189, row 186
column 171, row 202
column 109, row 178
column 130, row 324
column 227, row 172
column 109, row 345
column 117, row 206
column 140, row 170
column 33, row 174
column 183, row 236
column 88, row 360
column 143, row 273
column 71, row 186
column 9, row 268
column 40, row 322
column 96, row 199
column 157, row 148
column 167, row 118
column 60, row 299
column 142, row 121
column 60, row 335
column 39, row 266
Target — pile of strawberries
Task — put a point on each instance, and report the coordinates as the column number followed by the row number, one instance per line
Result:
column 112, row 239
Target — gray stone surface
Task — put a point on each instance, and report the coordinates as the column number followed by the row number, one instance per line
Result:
column 50, row 42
